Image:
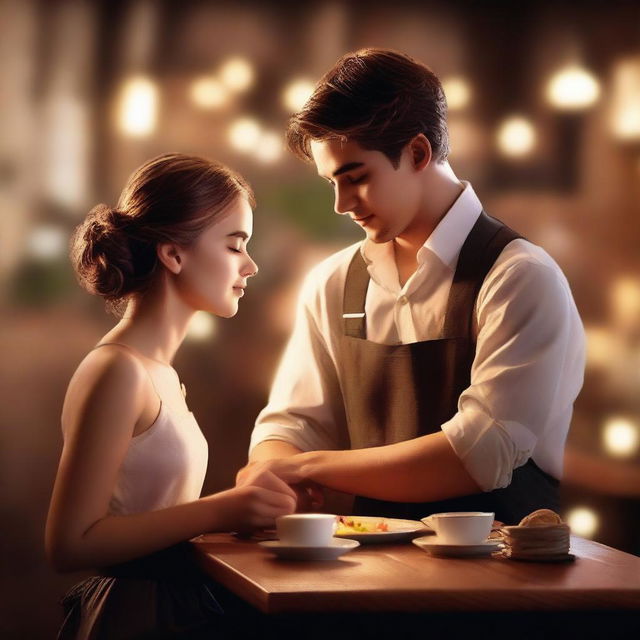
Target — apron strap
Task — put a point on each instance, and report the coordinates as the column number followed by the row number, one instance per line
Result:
column 483, row 245
column 355, row 295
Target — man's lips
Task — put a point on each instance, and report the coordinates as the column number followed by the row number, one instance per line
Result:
column 362, row 219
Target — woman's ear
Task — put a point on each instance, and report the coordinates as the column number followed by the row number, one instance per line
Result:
column 420, row 149
column 169, row 255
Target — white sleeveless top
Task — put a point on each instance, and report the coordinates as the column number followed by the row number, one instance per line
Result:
column 164, row 466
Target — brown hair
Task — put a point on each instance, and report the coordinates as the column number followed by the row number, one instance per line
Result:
column 379, row 98
column 171, row 198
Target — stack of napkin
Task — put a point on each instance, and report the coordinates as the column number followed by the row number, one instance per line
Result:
column 540, row 537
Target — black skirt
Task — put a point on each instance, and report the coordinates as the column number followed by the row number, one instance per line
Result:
column 163, row 595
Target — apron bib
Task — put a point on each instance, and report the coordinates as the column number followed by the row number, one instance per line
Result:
column 394, row 393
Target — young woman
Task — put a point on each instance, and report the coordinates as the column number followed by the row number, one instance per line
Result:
column 127, row 492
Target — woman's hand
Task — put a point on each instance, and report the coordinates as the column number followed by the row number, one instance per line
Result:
column 289, row 470
column 258, row 498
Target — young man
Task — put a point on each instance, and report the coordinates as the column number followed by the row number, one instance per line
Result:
column 433, row 366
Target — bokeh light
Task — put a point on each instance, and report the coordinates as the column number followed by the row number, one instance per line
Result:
column 583, row 521
column 208, row 93
column 625, row 301
column 269, row 147
column 296, row 94
column 457, row 91
column 573, row 88
column 516, row 137
column 599, row 341
column 237, row 74
column 244, row 134
column 138, row 107
column 620, row 436
column 201, row 328
column 626, row 99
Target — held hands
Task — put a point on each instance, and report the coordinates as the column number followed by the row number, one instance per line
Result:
column 258, row 498
column 309, row 494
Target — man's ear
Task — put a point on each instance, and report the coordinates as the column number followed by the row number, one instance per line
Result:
column 169, row 255
column 420, row 149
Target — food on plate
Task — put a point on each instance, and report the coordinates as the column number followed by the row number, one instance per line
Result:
column 351, row 524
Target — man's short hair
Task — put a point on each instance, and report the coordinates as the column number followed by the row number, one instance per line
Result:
column 380, row 99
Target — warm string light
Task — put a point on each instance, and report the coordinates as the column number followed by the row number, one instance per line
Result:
column 625, row 110
column 138, row 106
column 516, row 137
column 202, row 327
column 296, row 94
column 573, row 88
column 236, row 74
column 208, row 93
column 457, row 92
column 583, row 521
column 599, row 342
column 244, row 134
column 620, row 437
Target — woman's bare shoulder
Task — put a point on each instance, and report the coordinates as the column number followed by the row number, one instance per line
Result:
column 110, row 378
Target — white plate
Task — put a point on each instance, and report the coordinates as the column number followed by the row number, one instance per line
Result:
column 436, row 548
column 399, row 530
column 330, row 552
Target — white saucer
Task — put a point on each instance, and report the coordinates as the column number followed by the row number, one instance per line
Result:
column 329, row 552
column 436, row 548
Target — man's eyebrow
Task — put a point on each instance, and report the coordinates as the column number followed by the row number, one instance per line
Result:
column 238, row 234
column 347, row 167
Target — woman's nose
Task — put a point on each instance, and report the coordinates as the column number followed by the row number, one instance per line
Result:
column 251, row 269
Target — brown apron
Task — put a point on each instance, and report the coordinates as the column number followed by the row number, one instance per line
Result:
column 394, row 393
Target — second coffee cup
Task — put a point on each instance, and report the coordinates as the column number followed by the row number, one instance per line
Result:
column 461, row 527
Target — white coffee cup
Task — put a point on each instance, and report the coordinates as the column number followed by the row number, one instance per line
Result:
column 461, row 527
column 306, row 529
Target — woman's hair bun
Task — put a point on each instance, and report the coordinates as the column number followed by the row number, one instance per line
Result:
column 101, row 253
column 171, row 198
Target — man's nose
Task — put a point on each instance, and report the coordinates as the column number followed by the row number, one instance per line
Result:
column 344, row 202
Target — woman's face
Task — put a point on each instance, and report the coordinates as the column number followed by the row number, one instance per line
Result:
column 217, row 266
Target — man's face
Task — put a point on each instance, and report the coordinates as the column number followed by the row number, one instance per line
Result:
column 383, row 200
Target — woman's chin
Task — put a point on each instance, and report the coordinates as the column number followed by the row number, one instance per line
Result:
column 229, row 311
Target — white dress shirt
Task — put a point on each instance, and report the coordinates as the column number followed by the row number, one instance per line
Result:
column 527, row 371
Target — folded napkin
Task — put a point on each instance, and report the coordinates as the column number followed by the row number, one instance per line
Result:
column 541, row 536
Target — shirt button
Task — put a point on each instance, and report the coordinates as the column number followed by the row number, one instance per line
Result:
column 403, row 299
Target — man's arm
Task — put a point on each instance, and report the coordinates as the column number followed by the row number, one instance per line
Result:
column 419, row 470
column 270, row 449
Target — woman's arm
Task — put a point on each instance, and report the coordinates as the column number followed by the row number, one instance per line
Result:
column 105, row 399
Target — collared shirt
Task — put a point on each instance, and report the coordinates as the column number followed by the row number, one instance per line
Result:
column 527, row 371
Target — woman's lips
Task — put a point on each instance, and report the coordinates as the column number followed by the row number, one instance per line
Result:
column 239, row 290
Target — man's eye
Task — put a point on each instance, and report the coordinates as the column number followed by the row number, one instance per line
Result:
column 358, row 180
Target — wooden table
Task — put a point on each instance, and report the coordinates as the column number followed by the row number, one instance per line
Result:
column 403, row 578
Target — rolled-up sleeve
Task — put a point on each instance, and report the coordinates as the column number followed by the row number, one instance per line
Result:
column 528, row 370
column 305, row 406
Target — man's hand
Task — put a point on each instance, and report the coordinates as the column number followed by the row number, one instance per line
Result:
column 289, row 471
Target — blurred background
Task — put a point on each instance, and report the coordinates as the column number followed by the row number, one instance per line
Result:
column 544, row 102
